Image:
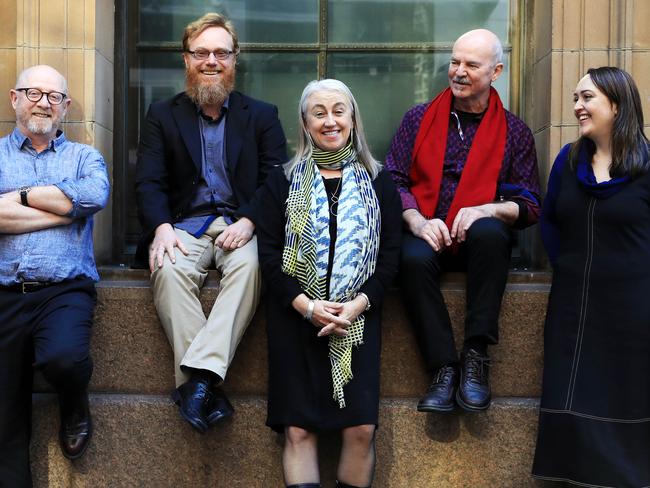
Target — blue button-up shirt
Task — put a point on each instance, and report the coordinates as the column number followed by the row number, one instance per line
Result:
column 214, row 195
column 62, row 252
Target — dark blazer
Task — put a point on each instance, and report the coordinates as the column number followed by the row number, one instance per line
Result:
column 169, row 158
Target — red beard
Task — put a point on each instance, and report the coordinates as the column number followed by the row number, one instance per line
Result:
column 207, row 92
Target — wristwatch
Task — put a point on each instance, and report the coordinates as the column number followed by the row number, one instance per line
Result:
column 23, row 195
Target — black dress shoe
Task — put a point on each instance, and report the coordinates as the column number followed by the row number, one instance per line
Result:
column 441, row 391
column 219, row 407
column 474, row 391
column 76, row 426
column 192, row 398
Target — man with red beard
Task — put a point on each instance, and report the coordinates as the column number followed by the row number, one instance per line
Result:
column 202, row 156
column 466, row 170
column 50, row 188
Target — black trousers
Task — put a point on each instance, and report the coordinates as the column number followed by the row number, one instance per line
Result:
column 485, row 256
column 48, row 329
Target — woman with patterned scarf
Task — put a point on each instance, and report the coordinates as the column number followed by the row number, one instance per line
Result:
column 329, row 231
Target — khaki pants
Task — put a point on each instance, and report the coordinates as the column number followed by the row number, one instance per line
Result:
column 198, row 342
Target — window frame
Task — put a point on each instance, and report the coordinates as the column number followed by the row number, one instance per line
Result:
column 126, row 23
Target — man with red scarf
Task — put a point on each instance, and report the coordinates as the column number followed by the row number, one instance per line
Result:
column 466, row 170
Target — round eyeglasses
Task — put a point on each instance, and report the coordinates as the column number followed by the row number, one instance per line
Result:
column 35, row 95
column 203, row 54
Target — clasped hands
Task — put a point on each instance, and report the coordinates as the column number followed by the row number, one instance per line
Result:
column 331, row 317
column 234, row 236
column 435, row 231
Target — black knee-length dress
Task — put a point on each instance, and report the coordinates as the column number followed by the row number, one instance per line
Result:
column 594, row 426
column 300, row 389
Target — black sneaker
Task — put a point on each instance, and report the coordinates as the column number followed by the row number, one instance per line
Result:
column 441, row 391
column 474, row 391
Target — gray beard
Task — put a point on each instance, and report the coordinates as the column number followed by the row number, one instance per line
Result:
column 207, row 94
column 40, row 127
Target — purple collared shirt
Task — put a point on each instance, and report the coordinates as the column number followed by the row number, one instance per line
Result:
column 518, row 179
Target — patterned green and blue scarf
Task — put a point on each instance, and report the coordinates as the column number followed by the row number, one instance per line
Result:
column 307, row 242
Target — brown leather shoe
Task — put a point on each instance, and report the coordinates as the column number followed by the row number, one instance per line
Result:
column 76, row 426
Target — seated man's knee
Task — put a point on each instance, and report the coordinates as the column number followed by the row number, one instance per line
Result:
column 416, row 255
column 489, row 231
column 167, row 272
column 67, row 369
column 250, row 267
column 297, row 436
column 245, row 270
column 361, row 435
column 172, row 278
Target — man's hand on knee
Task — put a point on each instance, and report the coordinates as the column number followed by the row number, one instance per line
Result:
column 164, row 241
column 236, row 235
column 466, row 217
column 506, row 211
column 434, row 231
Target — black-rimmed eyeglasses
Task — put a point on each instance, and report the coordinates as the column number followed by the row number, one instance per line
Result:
column 35, row 95
column 203, row 54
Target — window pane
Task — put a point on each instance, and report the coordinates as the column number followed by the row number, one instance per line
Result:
column 386, row 85
column 285, row 21
column 161, row 75
column 414, row 20
column 278, row 78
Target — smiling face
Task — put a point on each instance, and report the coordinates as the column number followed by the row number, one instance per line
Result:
column 328, row 119
column 594, row 111
column 40, row 119
column 210, row 81
column 473, row 69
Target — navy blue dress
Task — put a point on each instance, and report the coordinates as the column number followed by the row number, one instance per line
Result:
column 594, row 424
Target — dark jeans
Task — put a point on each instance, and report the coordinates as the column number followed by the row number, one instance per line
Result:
column 485, row 256
column 47, row 329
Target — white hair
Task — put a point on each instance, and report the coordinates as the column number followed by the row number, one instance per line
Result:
column 304, row 139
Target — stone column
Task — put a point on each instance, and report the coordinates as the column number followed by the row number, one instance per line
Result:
column 569, row 37
column 76, row 38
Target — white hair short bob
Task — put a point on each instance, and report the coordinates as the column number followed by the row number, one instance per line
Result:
column 359, row 139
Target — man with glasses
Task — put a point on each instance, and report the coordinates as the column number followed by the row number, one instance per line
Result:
column 49, row 190
column 202, row 155
column 466, row 170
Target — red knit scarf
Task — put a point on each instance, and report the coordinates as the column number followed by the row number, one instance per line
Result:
column 478, row 181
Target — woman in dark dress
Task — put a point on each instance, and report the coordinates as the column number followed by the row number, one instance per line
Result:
column 594, row 426
column 329, row 234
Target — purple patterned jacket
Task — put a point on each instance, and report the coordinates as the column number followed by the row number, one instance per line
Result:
column 518, row 180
